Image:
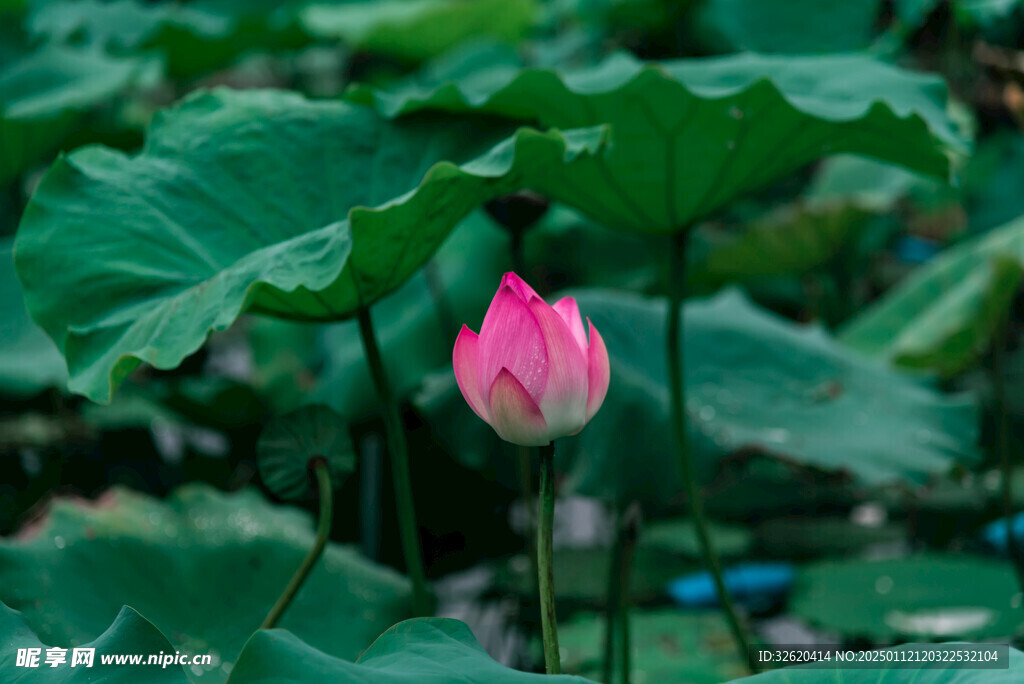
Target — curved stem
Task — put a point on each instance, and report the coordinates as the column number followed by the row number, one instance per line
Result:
column 323, row 532
column 674, row 350
column 398, row 451
column 545, row 560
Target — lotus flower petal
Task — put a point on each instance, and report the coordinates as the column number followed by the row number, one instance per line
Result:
column 566, row 308
column 519, row 286
column 466, row 360
column 515, row 416
column 599, row 372
column 510, row 337
column 564, row 403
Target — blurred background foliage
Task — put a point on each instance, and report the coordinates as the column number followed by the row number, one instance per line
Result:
column 851, row 325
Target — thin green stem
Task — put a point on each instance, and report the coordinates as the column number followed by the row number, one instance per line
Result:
column 618, row 599
column 629, row 531
column 674, row 350
column 545, row 560
column 612, row 606
column 397, row 449
column 323, row 532
column 1003, row 447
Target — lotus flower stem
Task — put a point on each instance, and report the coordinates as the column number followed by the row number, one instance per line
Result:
column 611, row 608
column 1003, row 446
column 617, row 603
column 398, row 451
column 674, row 350
column 545, row 560
column 323, row 532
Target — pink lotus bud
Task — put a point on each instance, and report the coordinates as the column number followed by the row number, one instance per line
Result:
column 530, row 373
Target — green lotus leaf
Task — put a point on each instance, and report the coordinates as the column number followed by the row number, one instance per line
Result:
column 922, row 598
column 942, row 316
column 763, row 387
column 194, row 38
column 415, row 30
column 425, row 651
column 290, row 442
column 257, row 200
column 761, row 384
column 692, row 135
column 669, row 647
column 44, row 94
column 129, row 634
column 203, row 566
column 29, row 363
column 786, row 26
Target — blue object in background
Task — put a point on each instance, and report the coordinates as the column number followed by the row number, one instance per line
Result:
column 916, row 250
column 995, row 532
column 745, row 582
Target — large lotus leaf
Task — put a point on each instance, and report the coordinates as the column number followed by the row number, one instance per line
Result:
column 669, row 647
column 203, row 566
column 119, row 25
column 942, row 315
column 692, row 135
column 786, row 26
column 925, row 598
column 44, row 94
column 29, row 363
column 130, row 633
column 756, row 384
column 425, row 651
column 941, row 674
column 418, row 29
column 194, row 38
column 254, row 200
column 417, row 325
column 293, row 362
